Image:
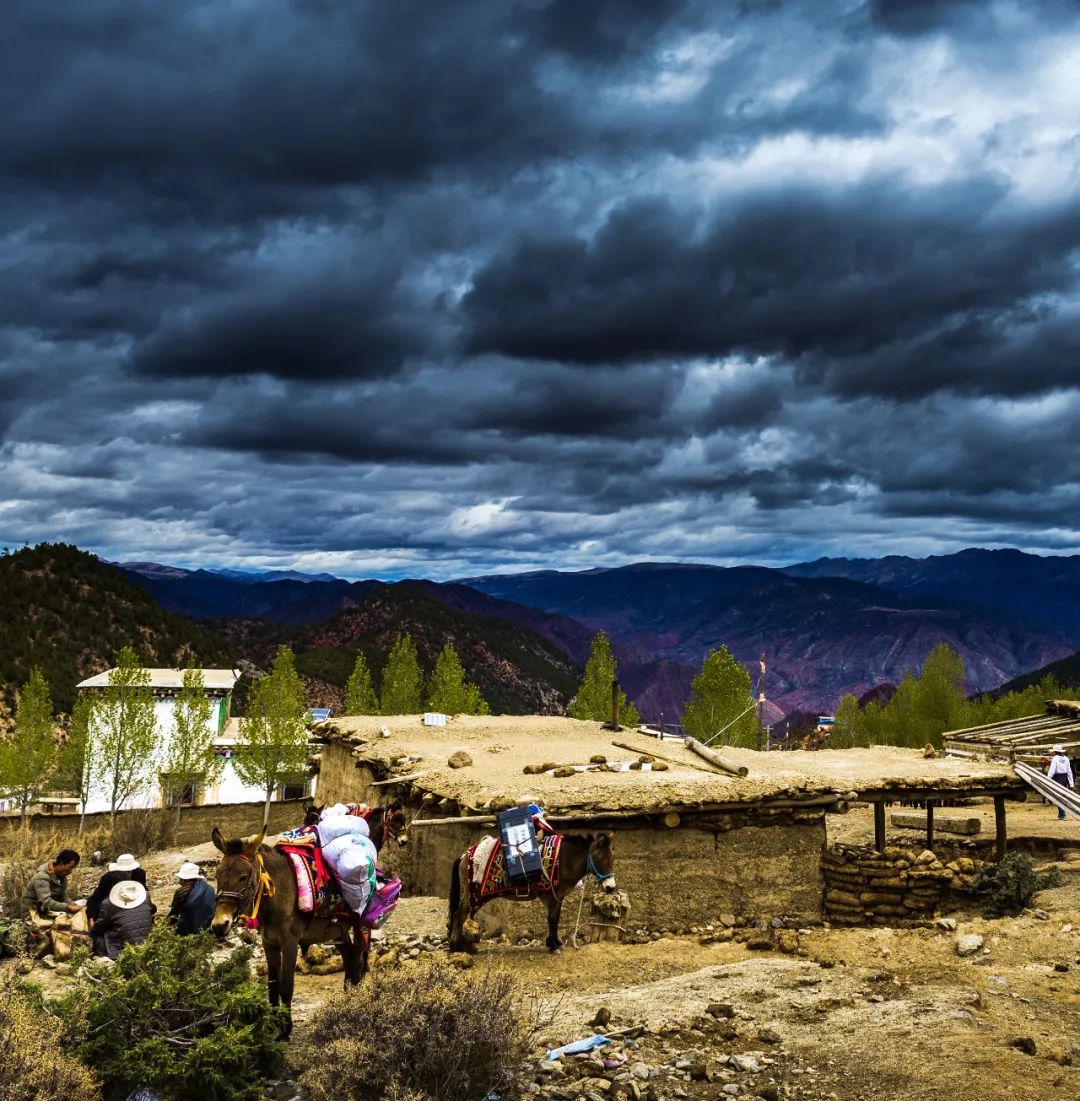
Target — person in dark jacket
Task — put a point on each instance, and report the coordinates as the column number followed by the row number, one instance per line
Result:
column 123, row 867
column 193, row 904
column 125, row 917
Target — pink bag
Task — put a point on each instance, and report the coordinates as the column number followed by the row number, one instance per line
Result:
column 382, row 902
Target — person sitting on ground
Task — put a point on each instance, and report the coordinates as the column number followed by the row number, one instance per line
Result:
column 1060, row 771
column 192, row 907
column 47, row 892
column 125, row 917
column 123, row 867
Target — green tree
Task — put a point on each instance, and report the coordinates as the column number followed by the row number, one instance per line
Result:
column 848, row 728
column 593, row 698
column 190, row 760
column 80, row 756
column 126, row 725
column 275, row 749
column 29, row 758
column 360, row 696
column 402, row 684
column 448, row 691
column 721, row 702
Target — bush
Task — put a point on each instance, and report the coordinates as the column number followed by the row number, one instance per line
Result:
column 1009, row 885
column 167, row 1017
column 141, row 832
column 35, row 1064
column 445, row 1035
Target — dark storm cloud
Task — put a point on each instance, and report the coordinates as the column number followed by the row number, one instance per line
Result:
column 827, row 279
column 537, row 283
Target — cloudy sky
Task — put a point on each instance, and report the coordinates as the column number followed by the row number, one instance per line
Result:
column 421, row 288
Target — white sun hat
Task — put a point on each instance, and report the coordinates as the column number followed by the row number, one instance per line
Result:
column 1058, row 749
column 128, row 894
column 124, row 863
column 188, row 870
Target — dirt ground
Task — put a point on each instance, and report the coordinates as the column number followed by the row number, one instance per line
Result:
column 855, row 1015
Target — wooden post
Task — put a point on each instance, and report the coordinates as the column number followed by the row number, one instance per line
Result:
column 879, row 826
column 715, row 758
column 930, row 824
column 999, row 824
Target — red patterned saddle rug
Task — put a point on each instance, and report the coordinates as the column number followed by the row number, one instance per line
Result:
column 315, row 887
column 488, row 876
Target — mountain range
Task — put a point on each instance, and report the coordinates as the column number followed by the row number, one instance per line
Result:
column 827, row 627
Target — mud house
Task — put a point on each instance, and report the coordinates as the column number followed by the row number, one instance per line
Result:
column 228, row 788
column 693, row 844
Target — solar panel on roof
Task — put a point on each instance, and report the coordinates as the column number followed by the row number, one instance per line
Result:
column 319, row 714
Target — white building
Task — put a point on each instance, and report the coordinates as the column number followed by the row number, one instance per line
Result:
column 228, row 788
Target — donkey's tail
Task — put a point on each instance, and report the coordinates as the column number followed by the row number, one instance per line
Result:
column 455, row 893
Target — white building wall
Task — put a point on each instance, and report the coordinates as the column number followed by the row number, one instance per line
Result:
column 228, row 789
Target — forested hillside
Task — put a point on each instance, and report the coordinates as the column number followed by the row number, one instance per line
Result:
column 70, row 613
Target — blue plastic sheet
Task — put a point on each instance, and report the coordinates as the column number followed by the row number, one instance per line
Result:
column 578, row 1046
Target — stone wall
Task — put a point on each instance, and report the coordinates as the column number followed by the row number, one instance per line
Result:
column 676, row 878
column 234, row 820
column 899, row 887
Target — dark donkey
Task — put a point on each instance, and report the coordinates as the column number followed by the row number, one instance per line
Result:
column 579, row 855
column 283, row 926
column 387, row 823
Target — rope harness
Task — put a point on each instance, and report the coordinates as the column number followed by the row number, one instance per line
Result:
column 259, row 884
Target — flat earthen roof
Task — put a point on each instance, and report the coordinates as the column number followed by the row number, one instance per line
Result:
column 502, row 746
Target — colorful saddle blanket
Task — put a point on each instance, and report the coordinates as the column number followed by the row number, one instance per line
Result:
column 315, row 887
column 488, row 876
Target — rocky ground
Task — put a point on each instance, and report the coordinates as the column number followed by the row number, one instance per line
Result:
column 970, row 1007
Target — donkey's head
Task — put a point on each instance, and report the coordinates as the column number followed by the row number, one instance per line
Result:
column 237, row 879
column 396, row 824
column 313, row 814
column 601, row 862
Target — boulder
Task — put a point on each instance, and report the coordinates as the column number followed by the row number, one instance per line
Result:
column 967, row 944
column 459, row 759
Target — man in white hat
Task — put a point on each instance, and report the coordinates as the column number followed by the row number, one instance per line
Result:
column 193, row 903
column 122, row 868
column 125, row 917
column 1060, row 771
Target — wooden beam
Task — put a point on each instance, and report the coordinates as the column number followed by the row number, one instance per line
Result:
column 714, row 758
column 999, row 824
column 879, row 826
column 930, row 824
column 645, row 751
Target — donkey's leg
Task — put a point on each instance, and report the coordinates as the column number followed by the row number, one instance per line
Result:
column 273, row 971
column 289, row 950
column 458, row 905
column 349, row 957
column 554, row 912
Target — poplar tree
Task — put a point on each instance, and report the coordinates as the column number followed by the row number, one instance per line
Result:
column 126, row 726
column 29, row 758
column 80, row 757
column 402, row 684
column 190, row 761
column 593, row 698
column 721, row 698
column 448, row 690
column 275, row 748
column 360, row 698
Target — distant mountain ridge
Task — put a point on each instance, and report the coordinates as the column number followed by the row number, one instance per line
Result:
column 828, row 627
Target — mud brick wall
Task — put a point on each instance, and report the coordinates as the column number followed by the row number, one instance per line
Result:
column 675, row 878
column 234, row 819
column 899, row 887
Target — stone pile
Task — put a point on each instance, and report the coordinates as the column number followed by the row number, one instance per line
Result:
column 898, row 887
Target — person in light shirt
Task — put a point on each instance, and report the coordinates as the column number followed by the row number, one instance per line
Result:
column 1060, row 771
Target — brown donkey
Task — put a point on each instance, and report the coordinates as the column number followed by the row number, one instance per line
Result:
column 579, row 855
column 256, row 881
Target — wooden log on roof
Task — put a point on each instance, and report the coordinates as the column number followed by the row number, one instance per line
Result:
column 714, row 758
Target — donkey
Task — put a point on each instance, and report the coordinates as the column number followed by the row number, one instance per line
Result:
column 579, row 855
column 387, row 823
column 283, row 926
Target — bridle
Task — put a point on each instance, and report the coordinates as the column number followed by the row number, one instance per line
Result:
column 599, row 876
column 259, row 884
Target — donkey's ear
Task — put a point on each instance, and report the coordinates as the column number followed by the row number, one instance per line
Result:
column 218, row 840
column 255, row 842
column 605, row 837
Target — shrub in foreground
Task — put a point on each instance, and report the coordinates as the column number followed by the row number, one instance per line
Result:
column 436, row 1034
column 170, row 1018
column 36, row 1063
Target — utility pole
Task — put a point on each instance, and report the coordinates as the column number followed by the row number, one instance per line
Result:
column 761, row 702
